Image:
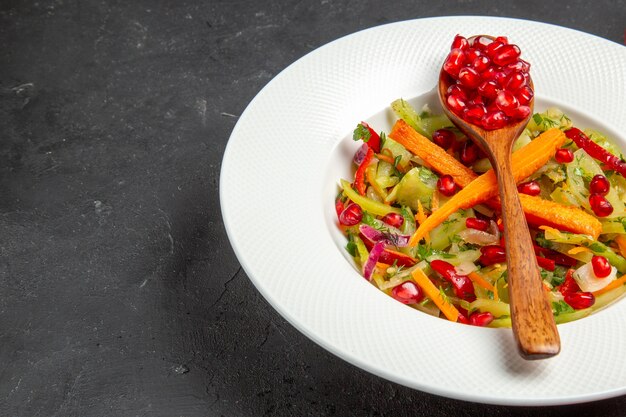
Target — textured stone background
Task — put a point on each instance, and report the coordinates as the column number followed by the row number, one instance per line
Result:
column 119, row 292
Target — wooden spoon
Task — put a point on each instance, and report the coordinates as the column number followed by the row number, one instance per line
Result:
column 533, row 323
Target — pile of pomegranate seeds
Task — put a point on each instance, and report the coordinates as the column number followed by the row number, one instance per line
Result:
column 490, row 82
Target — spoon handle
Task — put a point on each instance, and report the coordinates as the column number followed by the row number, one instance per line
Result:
column 532, row 320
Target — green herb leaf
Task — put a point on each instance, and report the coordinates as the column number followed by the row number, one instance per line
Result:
column 368, row 219
column 361, row 133
column 423, row 251
column 561, row 307
column 351, row 248
column 426, row 175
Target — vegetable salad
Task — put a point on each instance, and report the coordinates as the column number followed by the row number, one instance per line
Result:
column 422, row 216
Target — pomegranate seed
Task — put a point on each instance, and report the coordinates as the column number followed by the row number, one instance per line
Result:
column 474, row 113
column 469, row 77
column 489, row 74
column 491, row 82
column 492, row 48
column 506, row 54
column 519, row 65
column 469, row 153
column 500, row 77
column 515, row 81
column 492, row 254
column 599, row 185
column 491, row 107
column 569, row 285
column 443, row 138
column 460, row 42
column 481, row 63
column 564, row 156
column 473, row 53
column 488, row 89
column 524, row 95
column 339, row 207
column 462, row 319
column 600, row 205
column 456, row 103
column 454, row 62
column 446, row 185
column 407, row 293
column 478, row 224
column 457, row 90
column 521, row 113
column 477, row 100
column 393, row 219
column 507, row 102
column 579, row 300
column 481, row 319
column 529, row 188
column 601, row 266
column 463, row 286
column 351, row 215
column 481, row 42
column 494, row 120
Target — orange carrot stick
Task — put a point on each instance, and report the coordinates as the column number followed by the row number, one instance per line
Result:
column 421, row 217
column 431, row 153
column 524, row 162
column 567, row 218
column 433, row 293
column 386, row 158
column 479, row 280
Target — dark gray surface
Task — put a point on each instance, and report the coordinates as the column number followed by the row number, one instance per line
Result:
column 119, row 292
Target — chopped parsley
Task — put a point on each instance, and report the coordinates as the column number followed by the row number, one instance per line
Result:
column 561, row 307
column 424, row 251
column 361, row 133
column 351, row 246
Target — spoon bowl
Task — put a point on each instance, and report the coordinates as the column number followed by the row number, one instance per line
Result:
column 532, row 320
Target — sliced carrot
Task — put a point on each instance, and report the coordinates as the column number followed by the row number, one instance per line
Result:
column 496, row 297
column 434, row 202
column 479, row 280
column 524, row 162
column 434, row 294
column 614, row 284
column 431, row 153
column 385, row 158
column 382, row 265
column 421, row 218
column 578, row 249
column 541, row 212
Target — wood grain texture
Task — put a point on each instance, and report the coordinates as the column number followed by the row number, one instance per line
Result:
column 532, row 321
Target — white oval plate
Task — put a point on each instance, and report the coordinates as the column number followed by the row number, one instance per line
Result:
column 279, row 177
